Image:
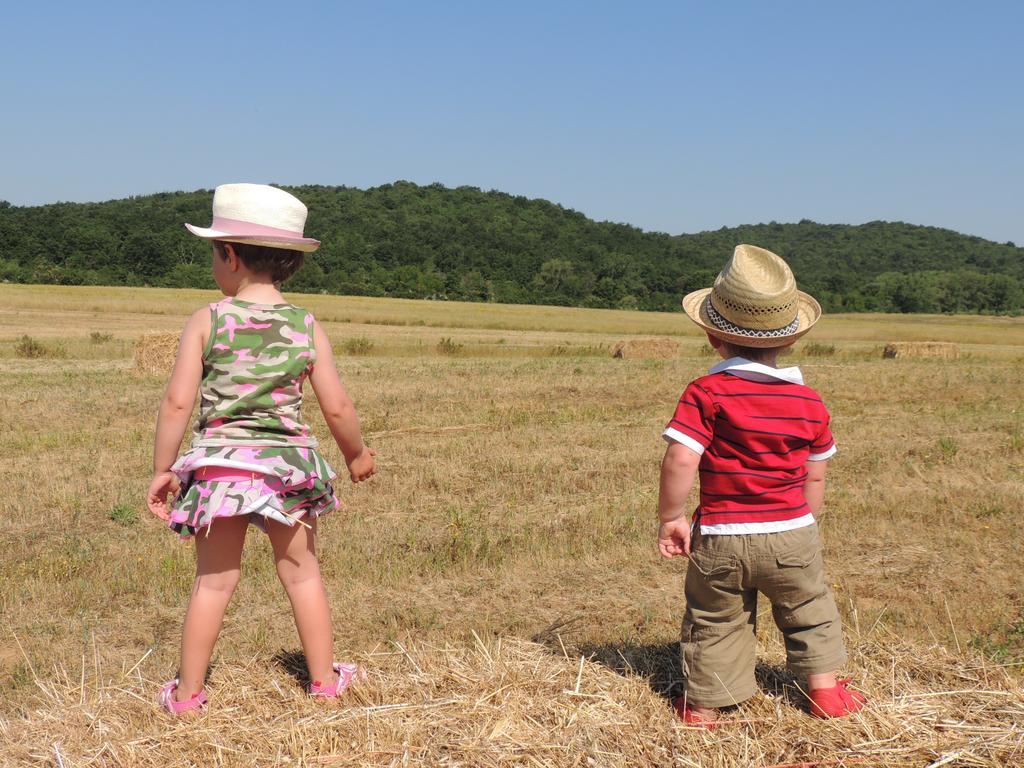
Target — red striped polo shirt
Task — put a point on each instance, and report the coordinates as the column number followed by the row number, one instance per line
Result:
column 754, row 427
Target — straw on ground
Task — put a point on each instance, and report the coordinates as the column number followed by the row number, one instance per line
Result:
column 515, row 502
column 514, row 702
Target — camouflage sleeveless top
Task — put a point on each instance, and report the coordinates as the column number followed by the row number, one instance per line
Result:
column 254, row 365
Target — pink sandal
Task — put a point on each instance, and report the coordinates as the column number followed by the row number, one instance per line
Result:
column 166, row 699
column 347, row 674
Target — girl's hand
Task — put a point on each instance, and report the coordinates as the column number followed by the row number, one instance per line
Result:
column 674, row 537
column 162, row 485
column 363, row 467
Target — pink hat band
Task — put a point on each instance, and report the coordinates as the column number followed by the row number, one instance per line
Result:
column 280, row 218
column 239, row 228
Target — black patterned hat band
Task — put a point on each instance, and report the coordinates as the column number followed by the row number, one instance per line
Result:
column 729, row 327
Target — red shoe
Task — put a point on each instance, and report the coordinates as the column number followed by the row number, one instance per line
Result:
column 688, row 716
column 836, row 701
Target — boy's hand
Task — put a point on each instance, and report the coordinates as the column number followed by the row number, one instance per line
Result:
column 162, row 485
column 363, row 466
column 678, row 471
column 674, row 537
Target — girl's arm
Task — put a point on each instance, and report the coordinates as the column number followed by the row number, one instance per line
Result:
column 338, row 409
column 176, row 409
column 814, row 485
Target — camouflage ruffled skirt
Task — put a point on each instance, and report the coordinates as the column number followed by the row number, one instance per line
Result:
column 284, row 484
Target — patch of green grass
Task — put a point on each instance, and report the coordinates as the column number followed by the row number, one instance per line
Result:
column 96, row 337
column 390, row 321
column 1005, row 643
column 815, row 349
column 31, row 348
column 989, row 510
column 123, row 514
column 948, row 447
column 578, row 350
column 1017, row 438
column 448, row 347
column 399, row 620
column 358, row 345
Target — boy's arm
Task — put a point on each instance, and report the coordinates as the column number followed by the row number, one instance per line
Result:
column 678, row 471
column 176, row 409
column 338, row 409
column 814, row 485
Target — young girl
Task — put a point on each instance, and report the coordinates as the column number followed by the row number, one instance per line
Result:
column 252, row 458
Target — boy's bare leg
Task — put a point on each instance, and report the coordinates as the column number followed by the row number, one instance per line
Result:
column 295, row 556
column 218, row 569
column 823, row 680
column 708, row 714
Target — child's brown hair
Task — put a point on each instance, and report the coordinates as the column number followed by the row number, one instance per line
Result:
column 279, row 263
column 753, row 354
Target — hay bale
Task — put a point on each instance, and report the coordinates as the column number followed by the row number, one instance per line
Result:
column 155, row 353
column 646, row 349
column 943, row 350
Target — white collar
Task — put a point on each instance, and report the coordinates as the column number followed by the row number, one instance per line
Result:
column 745, row 369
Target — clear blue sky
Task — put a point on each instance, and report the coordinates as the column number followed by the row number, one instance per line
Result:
column 673, row 116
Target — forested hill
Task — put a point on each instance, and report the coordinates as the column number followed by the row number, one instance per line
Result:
column 433, row 242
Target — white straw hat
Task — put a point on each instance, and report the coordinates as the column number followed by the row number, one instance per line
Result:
column 258, row 214
column 754, row 302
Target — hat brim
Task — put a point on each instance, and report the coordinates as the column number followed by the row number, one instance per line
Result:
column 808, row 311
column 304, row 244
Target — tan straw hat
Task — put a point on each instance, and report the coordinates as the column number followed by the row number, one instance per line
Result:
column 754, row 302
column 258, row 214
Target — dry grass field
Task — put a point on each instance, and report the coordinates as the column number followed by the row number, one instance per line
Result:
column 499, row 576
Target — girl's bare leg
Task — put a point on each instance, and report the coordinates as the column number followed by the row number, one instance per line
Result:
column 295, row 556
column 218, row 568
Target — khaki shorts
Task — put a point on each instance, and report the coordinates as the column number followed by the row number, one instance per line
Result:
column 722, row 581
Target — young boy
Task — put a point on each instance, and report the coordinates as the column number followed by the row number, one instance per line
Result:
column 760, row 439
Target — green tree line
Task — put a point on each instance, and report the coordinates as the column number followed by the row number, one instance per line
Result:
column 433, row 242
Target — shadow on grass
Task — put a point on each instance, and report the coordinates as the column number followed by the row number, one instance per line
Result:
column 658, row 664
column 778, row 682
column 294, row 663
